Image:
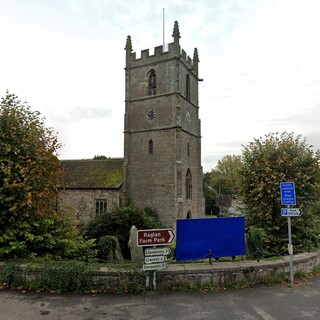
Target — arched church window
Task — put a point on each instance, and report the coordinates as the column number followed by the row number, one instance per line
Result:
column 150, row 146
column 188, row 185
column 189, row 216
column 188, row 87
column 101, row 206
column 152, row 83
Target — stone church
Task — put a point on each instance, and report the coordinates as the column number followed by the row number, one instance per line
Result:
column 161, row 167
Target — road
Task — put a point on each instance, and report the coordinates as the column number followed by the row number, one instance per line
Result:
column 263, row 302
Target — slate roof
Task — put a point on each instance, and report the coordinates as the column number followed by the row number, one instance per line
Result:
column 93, row 174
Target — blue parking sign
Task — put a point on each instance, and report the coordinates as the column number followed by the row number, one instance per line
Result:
column 288, row 193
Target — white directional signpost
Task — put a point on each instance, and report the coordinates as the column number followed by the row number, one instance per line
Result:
column 154, row 266
column 155, row 257
column 288, row 198
column 157, row 251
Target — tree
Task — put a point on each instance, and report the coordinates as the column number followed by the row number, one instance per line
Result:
column 268, row 162
column 209, row 195
column 30, row 174
column 224, row 179
column 99, row 157
column 229, row 166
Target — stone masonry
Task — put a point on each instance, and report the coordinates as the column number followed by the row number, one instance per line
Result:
column 159, row 178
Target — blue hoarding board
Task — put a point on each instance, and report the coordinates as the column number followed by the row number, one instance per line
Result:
column 288, row 194
column 223, row 237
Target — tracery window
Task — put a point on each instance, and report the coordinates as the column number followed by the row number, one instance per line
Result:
column 101, row 206
column 152, row 83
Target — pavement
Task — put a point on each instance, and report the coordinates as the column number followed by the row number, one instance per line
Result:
column 278, row 302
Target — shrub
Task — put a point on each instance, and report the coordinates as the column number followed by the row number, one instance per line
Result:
column 10, row 275
column 107, row 248
column 119, row 222
column 255, row 243
column 62, row 277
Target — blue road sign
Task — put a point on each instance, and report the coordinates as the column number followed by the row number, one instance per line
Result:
column 288, row 194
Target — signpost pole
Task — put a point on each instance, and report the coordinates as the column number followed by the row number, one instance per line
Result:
column 288, row 198
column 290, row 250
column 155, row 280
column 148, row 280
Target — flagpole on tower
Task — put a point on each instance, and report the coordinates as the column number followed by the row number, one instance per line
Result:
column 163, row 31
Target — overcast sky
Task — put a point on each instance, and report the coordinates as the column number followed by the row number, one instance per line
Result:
column 260, row 61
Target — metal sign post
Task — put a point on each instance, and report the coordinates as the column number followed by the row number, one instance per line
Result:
column 155, row 258
column 290, row 249
column 288, row 198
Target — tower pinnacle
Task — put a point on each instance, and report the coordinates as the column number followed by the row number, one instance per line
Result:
column 128, row 46
column 176, row 32
column 195, row 61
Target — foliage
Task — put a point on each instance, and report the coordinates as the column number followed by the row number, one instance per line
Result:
column 30, row 174
column 268, row 162
column 224, row 179
column 69, row 276
column 99, row 157
column 119, row 222
column 255, row 238
column 229, row 168
column 62, row 277
column 107, row 245
column 220, row 182
column 10, row 274
column 209, row 195
column 66, row 276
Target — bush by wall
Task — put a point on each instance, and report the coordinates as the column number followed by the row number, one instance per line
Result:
column 62, row 276
column 118, row 223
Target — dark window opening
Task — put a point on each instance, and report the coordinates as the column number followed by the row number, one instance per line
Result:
column 152, row 83
column 188, row 185
column 189, row 216
column 101, row 206
column 188, row 87
column 188, row 149
column 150, row 147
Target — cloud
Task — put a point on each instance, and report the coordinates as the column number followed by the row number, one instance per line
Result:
column 78, row 113
column 90, row 113
column 260, row 67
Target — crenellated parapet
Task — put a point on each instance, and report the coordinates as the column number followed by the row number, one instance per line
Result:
column 174, row 51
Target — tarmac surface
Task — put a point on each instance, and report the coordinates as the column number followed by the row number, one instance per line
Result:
column 281, row 302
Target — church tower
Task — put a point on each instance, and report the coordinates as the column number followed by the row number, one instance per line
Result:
column 162, row 138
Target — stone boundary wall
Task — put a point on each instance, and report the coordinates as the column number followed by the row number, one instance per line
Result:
column 222, row 273
column 219, row 273
column 198, row 274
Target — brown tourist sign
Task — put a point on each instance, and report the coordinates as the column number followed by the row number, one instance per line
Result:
column 155, row 237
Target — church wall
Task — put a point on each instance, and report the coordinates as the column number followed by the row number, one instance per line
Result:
column 81, row 202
